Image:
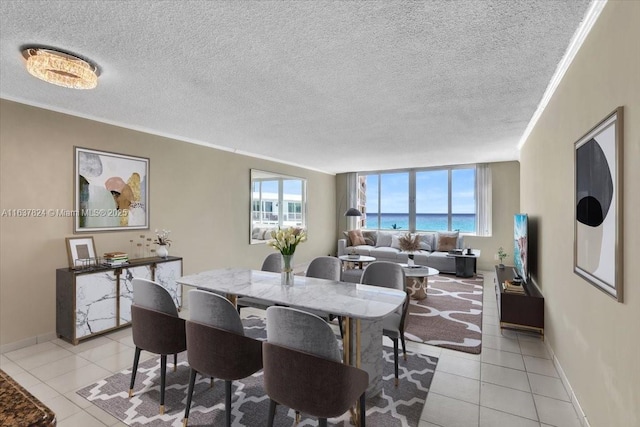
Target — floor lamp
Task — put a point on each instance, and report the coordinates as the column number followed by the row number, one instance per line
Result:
column 351, row 212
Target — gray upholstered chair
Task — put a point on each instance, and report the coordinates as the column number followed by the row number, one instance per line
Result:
column 303, row 367
column 155, row 327
column 216, row 345
column 324, row 267
column 272, row 263
column 390, row 275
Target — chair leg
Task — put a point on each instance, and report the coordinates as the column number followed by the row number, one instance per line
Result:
column 175, row 362
column 340, row 326
column 163, row 378
column 272, row 412
column 404, row 346
column 395, row 359
column 227, row 401
column 363, row 410
column 192, row 383
column 322, row 422
column 134, row 371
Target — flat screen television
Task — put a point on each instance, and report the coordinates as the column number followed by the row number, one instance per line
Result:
column 521, row 245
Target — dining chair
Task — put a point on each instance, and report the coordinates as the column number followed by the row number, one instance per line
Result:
column 390, row 275
column 303, row 367
column 324, row 267
column 273, row 264
column 156, row 328
column 217, row 346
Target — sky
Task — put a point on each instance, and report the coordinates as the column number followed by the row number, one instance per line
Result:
column 431, row 192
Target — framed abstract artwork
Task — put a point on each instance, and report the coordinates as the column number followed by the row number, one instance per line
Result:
column 111, row 191
column 81, row 252
column 597, row 251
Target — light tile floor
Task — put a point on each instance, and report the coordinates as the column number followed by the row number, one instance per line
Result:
column 513, row 382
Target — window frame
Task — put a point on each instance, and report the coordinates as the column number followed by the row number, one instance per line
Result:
column 412, row 186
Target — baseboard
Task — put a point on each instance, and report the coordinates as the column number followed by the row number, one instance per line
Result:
column 565, row 381
column 17, row 345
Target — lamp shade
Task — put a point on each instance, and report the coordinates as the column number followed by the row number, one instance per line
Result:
column 353, row 212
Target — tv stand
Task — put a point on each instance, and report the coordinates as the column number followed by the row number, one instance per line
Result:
column 518, row 311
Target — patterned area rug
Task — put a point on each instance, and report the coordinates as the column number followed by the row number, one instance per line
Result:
column 400, row 406
column 450, row 316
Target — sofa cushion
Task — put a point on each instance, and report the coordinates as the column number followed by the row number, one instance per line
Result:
column 446, row 240
column 356, row 238
column 384, row 239
column 385, row 253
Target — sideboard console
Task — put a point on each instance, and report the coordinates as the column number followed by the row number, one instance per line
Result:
column 524, row 311
column 97, row 300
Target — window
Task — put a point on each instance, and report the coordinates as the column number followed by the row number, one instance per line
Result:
column 436, row 199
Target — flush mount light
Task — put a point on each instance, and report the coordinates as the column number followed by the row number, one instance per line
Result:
column 60, row 68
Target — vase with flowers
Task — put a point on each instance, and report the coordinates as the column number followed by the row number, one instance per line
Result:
column 409, row 243
column 163, row 242
column 286, row 240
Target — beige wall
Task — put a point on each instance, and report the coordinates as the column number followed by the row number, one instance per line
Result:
column 595, row 338
column 505, row 177
column 200, row 194
column 506, row 202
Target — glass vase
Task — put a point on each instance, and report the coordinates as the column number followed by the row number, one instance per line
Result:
column 287, row 270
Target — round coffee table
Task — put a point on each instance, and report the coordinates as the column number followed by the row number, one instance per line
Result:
column 418, row 279
column 362, row 259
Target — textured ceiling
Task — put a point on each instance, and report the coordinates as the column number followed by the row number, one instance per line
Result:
column 332, row 86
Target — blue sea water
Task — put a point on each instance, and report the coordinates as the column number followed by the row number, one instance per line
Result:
column 466, row 223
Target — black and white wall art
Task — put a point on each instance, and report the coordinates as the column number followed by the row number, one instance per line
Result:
column 598, row 205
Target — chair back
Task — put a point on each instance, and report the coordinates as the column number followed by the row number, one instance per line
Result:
column 149, row 294
column 214, row 310
column 384, row 273
column 325, row 267
column 272, row 263
column 300, row 330
column 388, row 275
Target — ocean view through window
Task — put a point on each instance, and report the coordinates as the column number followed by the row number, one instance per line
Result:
column 435, row 199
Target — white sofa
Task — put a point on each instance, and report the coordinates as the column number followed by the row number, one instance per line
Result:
column 383, row 247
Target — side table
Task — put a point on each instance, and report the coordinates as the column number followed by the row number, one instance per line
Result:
column 466, row 263
column 353, row 275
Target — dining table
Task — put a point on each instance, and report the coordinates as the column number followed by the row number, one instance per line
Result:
column 361, row 306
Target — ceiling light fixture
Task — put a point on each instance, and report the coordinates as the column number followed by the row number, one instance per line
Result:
column 61, row 68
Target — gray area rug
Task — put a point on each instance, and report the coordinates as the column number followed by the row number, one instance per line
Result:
column 400, row 406
column 450, row 316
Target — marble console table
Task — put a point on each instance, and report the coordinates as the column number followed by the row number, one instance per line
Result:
column 97, row 300
column 364, row 305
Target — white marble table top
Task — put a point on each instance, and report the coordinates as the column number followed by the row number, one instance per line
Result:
column 359, row 258
column 419, row 271
column 339, row 298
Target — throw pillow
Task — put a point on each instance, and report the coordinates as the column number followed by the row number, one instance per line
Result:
column 384, row 239
column 395, row 242
column 426, row 242
column 346, row 236
column 370, row 237
column 446, row 241
column 356, row 238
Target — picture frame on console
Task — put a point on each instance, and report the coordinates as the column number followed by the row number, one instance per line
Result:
column 111, row 191
column 81, row 252
column 597, row 251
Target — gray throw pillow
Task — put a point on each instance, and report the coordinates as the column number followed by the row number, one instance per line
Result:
column 384, row 239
